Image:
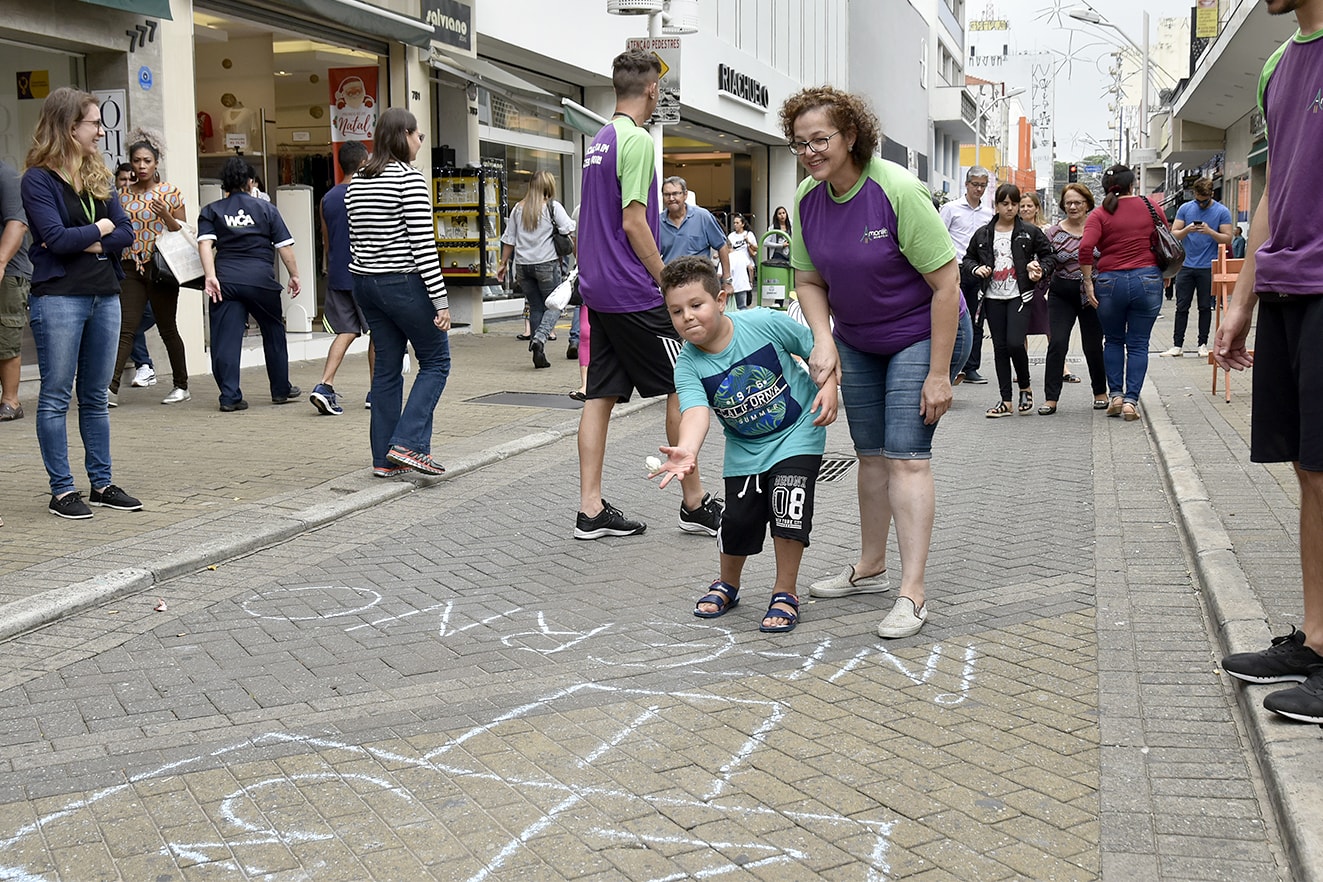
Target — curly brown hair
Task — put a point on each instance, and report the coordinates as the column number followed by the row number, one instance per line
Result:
column 847, row 111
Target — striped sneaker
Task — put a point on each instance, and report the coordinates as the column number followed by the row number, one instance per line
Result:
column 419, row 462
column 389, row 471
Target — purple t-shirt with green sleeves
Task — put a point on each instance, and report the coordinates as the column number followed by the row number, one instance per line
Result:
column 872, row 246
column 1291, row 260
column 618, row 168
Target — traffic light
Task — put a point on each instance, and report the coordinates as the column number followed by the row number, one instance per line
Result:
column 1072, row 173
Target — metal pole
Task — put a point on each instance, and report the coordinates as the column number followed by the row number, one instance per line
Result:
column 1143, row 105
column 654, row 33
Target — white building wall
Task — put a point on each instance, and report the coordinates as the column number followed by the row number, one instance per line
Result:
column 896, row 80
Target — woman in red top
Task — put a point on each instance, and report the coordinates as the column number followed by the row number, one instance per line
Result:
column 1128, row 290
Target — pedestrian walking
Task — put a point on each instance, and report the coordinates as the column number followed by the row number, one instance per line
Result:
column 399, row 286
column 1128, row 286
column 901, row 330
column 340, row 313
column 78, row 230
column 743, row 369
column 620, row 264
column 743, row 260
column 778, row 247
column 1202, row 224
column 529, row 238
column 1283, row 277
column 155, row 207
column 237, row 236
column 16, row 269
column 1067, row 303
column 1008, row 256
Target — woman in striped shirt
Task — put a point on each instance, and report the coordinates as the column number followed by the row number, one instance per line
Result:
column 398, row 285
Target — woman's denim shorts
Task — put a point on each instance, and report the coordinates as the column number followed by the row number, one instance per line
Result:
column 882, row 395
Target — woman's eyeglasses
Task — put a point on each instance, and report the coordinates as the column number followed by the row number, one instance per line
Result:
column 816, row 145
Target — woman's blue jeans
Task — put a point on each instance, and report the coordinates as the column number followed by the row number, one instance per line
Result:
column 77, row 338
column 1128, row 305
column 399, row 313
column 537, row 281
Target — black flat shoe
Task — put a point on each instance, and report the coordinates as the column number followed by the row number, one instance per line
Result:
column 1047, row 410
column 1100, row 404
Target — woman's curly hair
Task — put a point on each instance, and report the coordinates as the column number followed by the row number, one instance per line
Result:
column 848, row 112
column 152, row 139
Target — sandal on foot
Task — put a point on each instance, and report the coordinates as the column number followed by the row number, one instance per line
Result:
column 1001, row 410
column 791, row 618
column 725, row 597
column 1069, row 378
column 1047, row 410
column 1129, row 412
column 1114, row 408
column 1026, row 400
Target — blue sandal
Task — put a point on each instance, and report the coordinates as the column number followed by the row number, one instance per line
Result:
column 791, row 618
column 726, row 597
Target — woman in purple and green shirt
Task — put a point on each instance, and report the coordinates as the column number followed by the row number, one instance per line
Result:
column 871, row 255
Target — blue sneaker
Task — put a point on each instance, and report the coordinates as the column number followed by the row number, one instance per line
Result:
column 323, row 398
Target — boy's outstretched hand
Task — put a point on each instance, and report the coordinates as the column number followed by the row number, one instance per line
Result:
column 679, row 463
column 824, row 403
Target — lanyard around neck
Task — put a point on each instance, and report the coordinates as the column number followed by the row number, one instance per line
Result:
column 86, row 200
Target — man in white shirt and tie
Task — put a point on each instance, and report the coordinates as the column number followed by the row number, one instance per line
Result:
column 962, row 217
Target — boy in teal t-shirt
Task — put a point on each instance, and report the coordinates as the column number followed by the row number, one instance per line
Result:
column 742, row 368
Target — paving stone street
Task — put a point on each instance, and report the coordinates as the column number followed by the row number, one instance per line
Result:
column 445, row 685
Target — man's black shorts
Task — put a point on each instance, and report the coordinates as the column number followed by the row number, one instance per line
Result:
column 781, row 496
column 632, row 350
column 1286, row 420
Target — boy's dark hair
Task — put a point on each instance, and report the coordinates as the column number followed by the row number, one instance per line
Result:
column 1006, row 191
column 690, row 269
column 351, row 155
column 633, row 71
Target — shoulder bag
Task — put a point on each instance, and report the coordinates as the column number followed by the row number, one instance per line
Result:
column 564, row 244
column 1168, row 250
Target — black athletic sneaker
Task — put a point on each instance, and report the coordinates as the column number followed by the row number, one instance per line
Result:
column 611, row 522
column 1303, row 702
column 234, row 406
column 114, row 497
column 705, row 519
column 70, row 506
column 1288, row 660
column 293, row 394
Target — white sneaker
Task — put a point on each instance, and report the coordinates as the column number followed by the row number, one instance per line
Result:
column 112, row 400
column 1203, row 351
column 844, row 584
column 145, row 376
column 176, row 395
column 1173, row 352
column 903, row 620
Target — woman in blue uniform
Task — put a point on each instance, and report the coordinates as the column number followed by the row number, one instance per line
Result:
column 235, row 238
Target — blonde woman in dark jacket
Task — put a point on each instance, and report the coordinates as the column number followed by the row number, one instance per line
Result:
column 1008, row 257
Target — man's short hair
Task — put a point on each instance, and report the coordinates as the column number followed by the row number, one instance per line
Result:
column 351, row 156
column 633, row 71
column 693, row 268
column 977, row 171
column 1203, row 188
column 677, row 181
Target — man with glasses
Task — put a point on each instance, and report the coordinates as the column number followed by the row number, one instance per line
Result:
column 962, row 217
column 1203, row 224
column 691, row 230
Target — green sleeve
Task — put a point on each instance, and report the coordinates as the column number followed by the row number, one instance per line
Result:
column 799, row 256
column 924, row 239
column 1264, row 76
column 635, row 165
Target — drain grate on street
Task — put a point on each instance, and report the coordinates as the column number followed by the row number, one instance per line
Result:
column 557, row 400
column 835, row 469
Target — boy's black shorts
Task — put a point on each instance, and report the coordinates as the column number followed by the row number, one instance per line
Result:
column 781, row 496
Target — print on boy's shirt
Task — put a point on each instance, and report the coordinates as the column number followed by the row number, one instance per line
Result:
column 753, row 398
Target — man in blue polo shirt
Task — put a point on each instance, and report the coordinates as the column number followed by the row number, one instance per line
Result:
column 691, row 229
column 1203, row 224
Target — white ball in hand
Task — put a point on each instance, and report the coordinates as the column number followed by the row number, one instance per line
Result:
column 652, row 463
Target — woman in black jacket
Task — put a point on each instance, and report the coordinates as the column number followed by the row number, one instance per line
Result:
column 1008, row 257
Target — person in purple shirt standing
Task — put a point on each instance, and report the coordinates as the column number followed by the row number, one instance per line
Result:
column 620, row 265
column 1283, row 276
column 78, row 231
column 902, row 332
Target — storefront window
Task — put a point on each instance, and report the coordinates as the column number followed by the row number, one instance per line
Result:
column 32, row 74
column 520, row 164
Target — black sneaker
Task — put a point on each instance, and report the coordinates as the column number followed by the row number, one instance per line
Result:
column 975, row 378
column 233, row 406
column 114, row 497
column 539, row 351
column 293, row 394
column 611, row 522
column 705, row 519
column 70, row 506
column 1288, row 660
column 1303, row 702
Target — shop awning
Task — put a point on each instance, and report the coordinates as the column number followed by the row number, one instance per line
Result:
column 496, row 79
column 581, row 118
column 149, row 8
column 357, row 15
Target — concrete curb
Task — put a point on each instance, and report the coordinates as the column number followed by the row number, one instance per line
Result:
column 1288, row 751
column 249, row 536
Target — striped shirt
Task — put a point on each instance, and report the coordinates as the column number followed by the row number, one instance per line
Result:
column 390, row 228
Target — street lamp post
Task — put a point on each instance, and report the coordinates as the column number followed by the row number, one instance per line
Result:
column 1088, row 15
